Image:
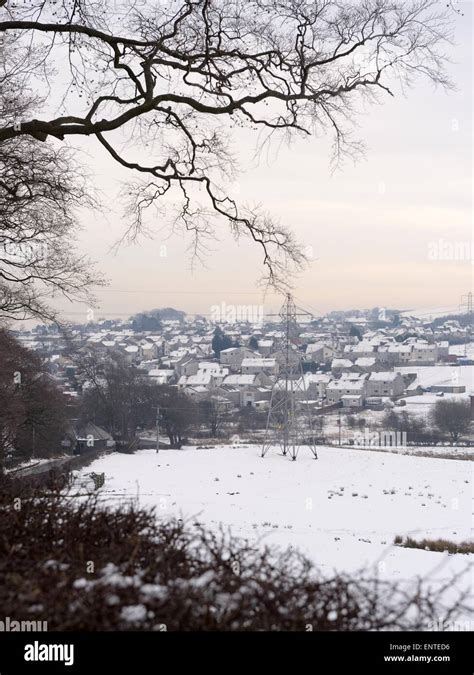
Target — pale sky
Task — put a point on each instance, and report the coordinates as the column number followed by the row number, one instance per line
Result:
column 370, row 228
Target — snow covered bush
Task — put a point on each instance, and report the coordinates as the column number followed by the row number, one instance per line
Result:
column 79, row 566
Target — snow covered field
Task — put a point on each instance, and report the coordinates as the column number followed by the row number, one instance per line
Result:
column 342, row 510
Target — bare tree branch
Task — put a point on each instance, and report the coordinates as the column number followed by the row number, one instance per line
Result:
column 186, row 73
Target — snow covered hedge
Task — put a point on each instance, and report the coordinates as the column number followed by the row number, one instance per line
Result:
column 81, row 567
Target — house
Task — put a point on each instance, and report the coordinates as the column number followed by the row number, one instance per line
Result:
column 162, row 376
column 239, row 381
column 250, row 396
column 424, row 353
column 339, row 365
column 259, row 365
column 203, row 378
column 399, row 354
column 385, row 383
column 316, row 384
column 197, row 392
column 319, row 352
column 350, row 384
column 189, row 365
column 366, row 364
column 352, row 401
column 82, row 438
column 131, row 353
column 229, row 392
column 359, row 350
column 215, row 370
column 443, row 349
column 265, row 347
column 234, row 356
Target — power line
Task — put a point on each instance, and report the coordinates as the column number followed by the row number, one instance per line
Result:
column 155, row 292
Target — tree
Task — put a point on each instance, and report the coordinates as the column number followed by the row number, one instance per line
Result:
column 253, row 343
column 178, row 414
column 414, row 426
column 212, row 415
column 33, row 413
column 355, row 332
column 220, row 341
column 177, row 77
column 452, row 417
column 40, row 189
column 121, row 399
column 250, row 419
column 113, row 395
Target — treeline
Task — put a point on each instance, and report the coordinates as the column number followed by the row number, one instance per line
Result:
column 112, row 394
column 33, row 414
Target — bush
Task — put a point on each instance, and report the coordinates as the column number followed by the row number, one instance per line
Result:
column 81, row 566
column 452, row 417
column 440, row 545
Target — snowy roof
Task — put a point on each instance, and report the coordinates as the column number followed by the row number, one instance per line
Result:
column 317, row 377
column 209, row 365
column 316, row 346
column 239, row 379
column 365, row 361
column 341, row 363
column 364, row 346
column 354, row 376
column 259, row 363
column 202, row 377
column 386, row 376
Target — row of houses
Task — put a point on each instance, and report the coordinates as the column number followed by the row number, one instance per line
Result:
column 342, row 365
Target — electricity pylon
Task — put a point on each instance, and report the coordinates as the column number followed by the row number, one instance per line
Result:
column 289, row 421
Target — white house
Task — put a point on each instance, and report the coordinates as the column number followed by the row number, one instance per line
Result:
column 265, row 347
column 385, row 384
column 318, row 352
column 253, row 366
column 234, row 356
column 350, row 384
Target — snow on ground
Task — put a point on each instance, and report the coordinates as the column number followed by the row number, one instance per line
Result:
column 430, row 313
column 463, row 350
column 428, row 376
column 422, row 405
column 342, row 510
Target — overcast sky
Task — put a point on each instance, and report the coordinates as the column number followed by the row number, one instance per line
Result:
column 372, row 229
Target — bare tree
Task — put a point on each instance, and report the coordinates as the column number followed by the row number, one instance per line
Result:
column 40, row 189
column 452, row 417
column 176, row 77
column 32, row 409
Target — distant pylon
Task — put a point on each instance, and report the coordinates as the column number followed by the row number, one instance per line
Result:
column 468, row 303
column 289, row 421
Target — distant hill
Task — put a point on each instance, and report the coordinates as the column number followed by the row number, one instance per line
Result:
column 152, row 320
